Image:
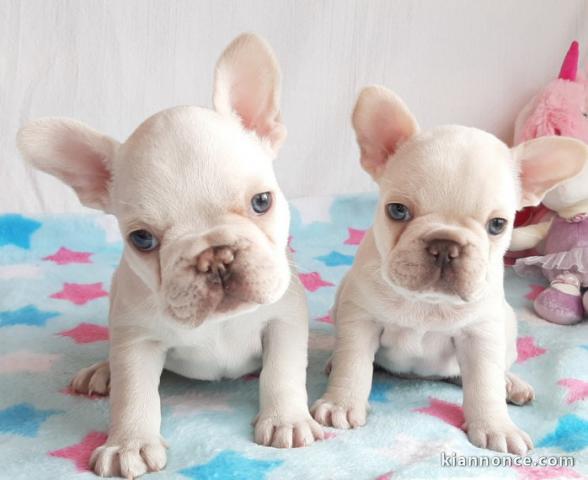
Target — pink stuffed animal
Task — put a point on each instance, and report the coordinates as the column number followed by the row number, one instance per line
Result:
column 560, row 109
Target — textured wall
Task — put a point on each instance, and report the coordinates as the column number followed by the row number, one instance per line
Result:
column 112, row 63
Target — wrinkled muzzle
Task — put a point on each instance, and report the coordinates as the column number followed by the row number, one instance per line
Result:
column 226, row 271
column 438, row 265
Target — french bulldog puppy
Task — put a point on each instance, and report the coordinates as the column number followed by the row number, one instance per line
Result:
column 204, row 287
column 425, row 294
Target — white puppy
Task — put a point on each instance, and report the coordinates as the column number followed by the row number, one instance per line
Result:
column 204, row 287
column 425, row 295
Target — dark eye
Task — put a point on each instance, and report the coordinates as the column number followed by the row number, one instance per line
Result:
column 496, row 226
column 261, row 202
column 585, row 114
column 143, row 240
column 398, row 212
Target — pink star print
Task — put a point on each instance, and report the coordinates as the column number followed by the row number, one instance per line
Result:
column 527, row 349
column 80, row 452
column 534, row 291
column 313, row 281
column 80, row 293
column 325, row 319
column 450, row 413
column 577, row 389
column 25, row 361
column 63, row 256
column 87, row 333
column 386, row 476
column 355, row 236
column 544, row 473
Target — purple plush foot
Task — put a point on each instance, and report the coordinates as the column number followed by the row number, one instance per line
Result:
column 559, row 307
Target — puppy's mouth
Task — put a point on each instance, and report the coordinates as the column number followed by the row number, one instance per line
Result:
column 221, row 281
column 418, row 278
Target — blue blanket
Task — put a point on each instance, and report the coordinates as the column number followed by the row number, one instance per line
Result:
column 54, row 281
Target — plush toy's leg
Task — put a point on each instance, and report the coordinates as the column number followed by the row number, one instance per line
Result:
column 585, row 299
column 561, row 302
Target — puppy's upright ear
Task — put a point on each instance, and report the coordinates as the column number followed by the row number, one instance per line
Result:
column 247, row 84
column 546, row 162
column 382, row 122
column 76, row 154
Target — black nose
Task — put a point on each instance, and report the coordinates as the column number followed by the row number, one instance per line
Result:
column 443, row 251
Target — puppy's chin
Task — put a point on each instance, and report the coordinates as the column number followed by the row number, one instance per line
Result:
column 432, row 296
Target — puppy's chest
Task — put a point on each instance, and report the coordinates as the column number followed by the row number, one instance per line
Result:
column 417, row 340
column 417, row 352
column 227, row 350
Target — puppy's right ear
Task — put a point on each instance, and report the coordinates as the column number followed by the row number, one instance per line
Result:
column 382, row 122
column 73, row 152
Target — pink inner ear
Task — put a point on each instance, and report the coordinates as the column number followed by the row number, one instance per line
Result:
column 569, row 67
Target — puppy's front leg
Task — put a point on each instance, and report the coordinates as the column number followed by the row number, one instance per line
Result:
column 345, row 403
column 481, row 357
column 134, row 444
column 284, row 420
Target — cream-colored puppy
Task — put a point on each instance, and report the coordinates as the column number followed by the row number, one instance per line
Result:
column 204, row 287
column 425, row 295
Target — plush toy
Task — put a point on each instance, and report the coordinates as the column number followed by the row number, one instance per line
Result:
column 560, row 109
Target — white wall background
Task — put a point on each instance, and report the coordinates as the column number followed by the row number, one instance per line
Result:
column 112, row 63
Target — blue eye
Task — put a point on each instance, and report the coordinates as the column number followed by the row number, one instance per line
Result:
column 398, row 212
column 496, row 226
column 143, row 240
column 261, row 202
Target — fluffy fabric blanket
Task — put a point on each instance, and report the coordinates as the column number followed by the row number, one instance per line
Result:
column 54, row 281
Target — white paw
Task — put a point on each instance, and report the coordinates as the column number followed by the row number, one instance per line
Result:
column 502, row 436
column 129, row 458
column 332, row 413
column 518, row 391
column 94, row 379
column 286, row 431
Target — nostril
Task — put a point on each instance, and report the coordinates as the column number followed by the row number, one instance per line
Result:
column 453, row 251
column 443, row 252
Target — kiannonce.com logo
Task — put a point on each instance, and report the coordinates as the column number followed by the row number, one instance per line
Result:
column 455, row 460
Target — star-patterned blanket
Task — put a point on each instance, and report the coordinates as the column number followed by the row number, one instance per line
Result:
column 54, row 281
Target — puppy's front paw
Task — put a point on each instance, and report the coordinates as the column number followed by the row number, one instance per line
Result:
column 333, row 413
column 129, row 458
column 502, row 436
column 286, row 431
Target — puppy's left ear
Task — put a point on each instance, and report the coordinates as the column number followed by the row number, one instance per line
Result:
column 545, row 163
column 247, row 84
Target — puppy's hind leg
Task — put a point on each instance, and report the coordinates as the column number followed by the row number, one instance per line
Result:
column 93, row 379
column 518, row 391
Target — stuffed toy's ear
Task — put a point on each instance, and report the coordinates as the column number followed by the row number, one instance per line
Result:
column 382, row 122
column 545, row 163
column 76, row 154
column 247, row 85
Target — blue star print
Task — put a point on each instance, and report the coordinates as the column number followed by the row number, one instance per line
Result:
column 335, row 259
column 29, row 315
column 17, row 230
column 23, row 419
column 571, row 434
column 379, row 393
column 231, row 465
